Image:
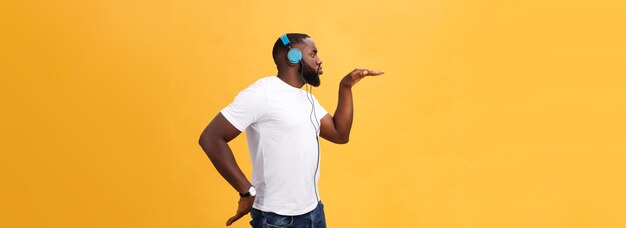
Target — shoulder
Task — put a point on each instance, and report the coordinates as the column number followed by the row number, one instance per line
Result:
column 258, row 87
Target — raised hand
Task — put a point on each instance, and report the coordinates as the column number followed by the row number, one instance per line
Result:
column 356, row 75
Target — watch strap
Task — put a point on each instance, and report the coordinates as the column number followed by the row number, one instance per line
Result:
column 247, row 194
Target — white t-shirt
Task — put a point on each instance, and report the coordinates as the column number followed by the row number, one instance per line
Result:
column 282, row 142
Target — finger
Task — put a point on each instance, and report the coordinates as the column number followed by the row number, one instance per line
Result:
column 366, row 72
column 371, row 73
column 375, row 73
column 233, row 219
column 230, row 221
column 360, row 73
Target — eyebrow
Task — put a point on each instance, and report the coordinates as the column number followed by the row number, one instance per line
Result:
column 315, row 51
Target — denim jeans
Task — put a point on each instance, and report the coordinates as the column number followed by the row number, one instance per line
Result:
column 312, row 219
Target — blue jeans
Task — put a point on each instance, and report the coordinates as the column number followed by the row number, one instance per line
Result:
column 312, row 219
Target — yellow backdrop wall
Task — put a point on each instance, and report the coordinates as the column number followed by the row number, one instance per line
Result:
column 490, row 114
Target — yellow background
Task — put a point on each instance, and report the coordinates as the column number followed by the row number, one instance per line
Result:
column 490, row 114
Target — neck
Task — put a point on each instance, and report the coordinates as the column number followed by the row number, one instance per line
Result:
column 292, row 78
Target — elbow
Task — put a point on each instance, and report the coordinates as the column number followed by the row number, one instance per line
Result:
column 200, row 141
column 343, row 140
column 204, row 141
column 207, row 146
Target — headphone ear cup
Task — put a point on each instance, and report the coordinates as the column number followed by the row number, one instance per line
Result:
column 294, row 55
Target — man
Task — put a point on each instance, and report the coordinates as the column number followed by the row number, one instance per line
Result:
column 283, row 123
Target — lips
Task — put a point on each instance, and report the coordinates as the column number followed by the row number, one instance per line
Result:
column 320, row 71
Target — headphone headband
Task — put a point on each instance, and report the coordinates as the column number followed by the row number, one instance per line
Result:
column 285, row 39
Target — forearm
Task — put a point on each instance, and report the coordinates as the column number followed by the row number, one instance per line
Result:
column 222, row 158
column 344, row 112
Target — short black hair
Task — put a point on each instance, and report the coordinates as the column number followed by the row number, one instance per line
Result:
column 280, row 50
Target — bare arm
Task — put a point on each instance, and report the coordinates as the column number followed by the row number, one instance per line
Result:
column 337, row 129
column 214, row 141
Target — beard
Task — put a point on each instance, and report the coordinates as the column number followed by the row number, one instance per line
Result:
column 310, row 75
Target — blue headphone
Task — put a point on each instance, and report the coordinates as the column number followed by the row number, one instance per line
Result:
column 294, row 55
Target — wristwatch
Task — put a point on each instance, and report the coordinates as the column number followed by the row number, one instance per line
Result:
column 250, row 193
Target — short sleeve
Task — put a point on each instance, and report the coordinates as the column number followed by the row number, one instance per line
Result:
column 320, row 112
column 246, row 108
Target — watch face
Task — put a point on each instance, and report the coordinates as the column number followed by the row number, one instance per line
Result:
column 252, row 191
